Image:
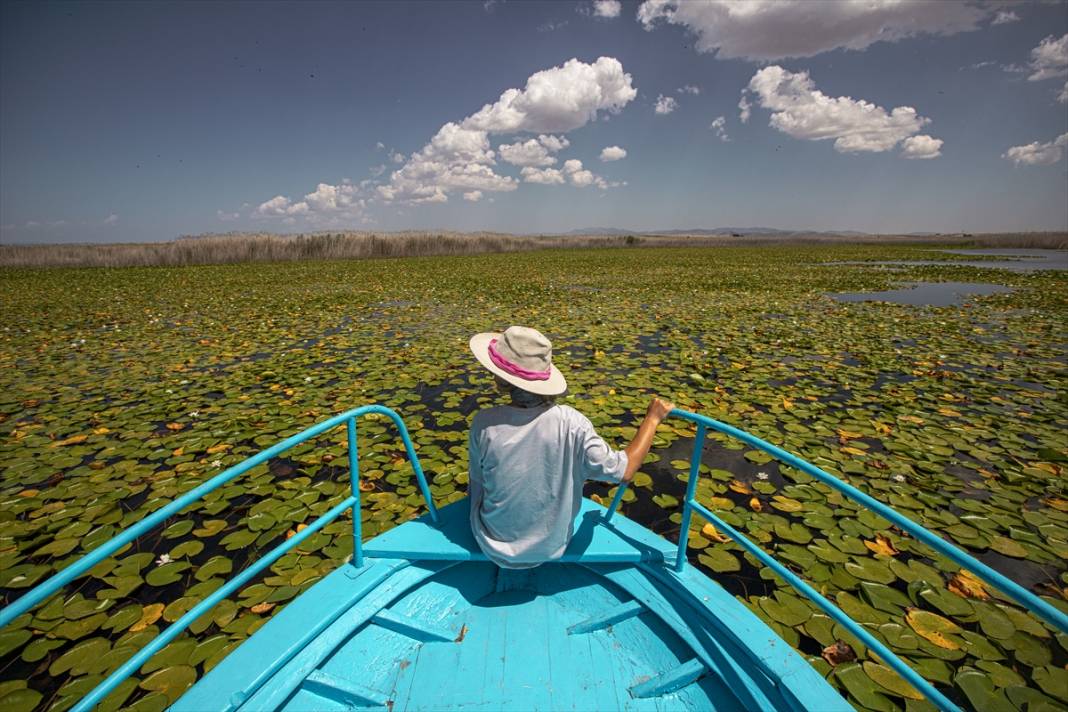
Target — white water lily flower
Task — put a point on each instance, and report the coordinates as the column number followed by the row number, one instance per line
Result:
column 307, row 379
column 216, row 463
column 169, row 390
column 898, row 478
column 165, row 559
column 762, row 475
column 194, row 413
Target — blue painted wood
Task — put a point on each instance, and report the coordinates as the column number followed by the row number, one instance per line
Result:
column 451, row 539
column 670, row 680
column 273, row 692
column 622, row 612
column 344, row 691
column 412, row 627
column 388, row 632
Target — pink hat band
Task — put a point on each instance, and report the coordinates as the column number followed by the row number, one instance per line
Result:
column 515, row 369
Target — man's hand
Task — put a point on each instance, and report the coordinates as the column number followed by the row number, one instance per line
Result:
column 659, row 409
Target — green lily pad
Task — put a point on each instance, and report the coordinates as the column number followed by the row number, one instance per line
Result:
column 81, row 658
column 216, row 565
column 891, row 682
column 166, row 574
column 867, row 692
column 171, row 682
column 871, row 570
column 979, row 689
column 21, row 700
column 1008, row 547
column 1053, row 681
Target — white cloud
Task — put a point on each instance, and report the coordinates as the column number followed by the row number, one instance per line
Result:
column 689, row 89
column 533, row 152
column 582, row 177
column 554, row 100
column 396, row 157
column 1004, row 17
column 545, row 176
column 607, row 8
column 1038, row 154
column 227, row 217
column 327, row 205
column 473, row 196
column 802, row 111
column 719, row 125
column 1063, row 96
column 551, row 26
column 613, row 153
column 111, row 219
column 1049, row 59
column 380, row 146
column 921, row 147
column 745, row 109
column 665, row 104
column 777, row 29
column 559, row 99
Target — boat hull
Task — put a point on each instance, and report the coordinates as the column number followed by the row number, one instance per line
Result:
column 461, row 633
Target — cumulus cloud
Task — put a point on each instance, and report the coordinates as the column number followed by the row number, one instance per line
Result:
column 1038, row 153
column 396, row 157
column 921, row 147
column 689, row 89
column 1049, row 59
column 582, row 177
column 473, row 196
column 1063, row 96
column 555, row 100
column 607, row 8
column 719, row 125
column 1004, row 17
column 665, row 104
column 111, row 219
column 545, row 176
column 613, row 153
column 800, row 110
column 327, row 205
column 533, row 152
column 225, row 216
column 765, row 30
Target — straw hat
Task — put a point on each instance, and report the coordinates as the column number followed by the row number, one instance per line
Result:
column 521, row 356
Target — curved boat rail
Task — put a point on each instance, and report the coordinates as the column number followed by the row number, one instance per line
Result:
column 1025, row 598
column 57, row 581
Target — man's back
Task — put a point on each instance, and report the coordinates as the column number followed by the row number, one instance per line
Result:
column 527, row 467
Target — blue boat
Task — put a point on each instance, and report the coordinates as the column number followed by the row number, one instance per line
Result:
column 418, row 619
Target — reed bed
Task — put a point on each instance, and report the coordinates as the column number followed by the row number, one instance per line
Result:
column 233, row 248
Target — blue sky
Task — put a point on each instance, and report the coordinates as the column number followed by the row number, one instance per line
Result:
column 144, row 121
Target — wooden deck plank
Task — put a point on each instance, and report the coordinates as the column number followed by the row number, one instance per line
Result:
column 274, row 692
column 670, row 680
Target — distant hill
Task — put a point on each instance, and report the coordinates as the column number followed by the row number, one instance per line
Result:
column 709, row 231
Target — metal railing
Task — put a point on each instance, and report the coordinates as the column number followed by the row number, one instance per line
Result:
column 1025, row 598
column 44, row 590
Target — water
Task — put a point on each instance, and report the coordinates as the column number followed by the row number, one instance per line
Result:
column 1019, row 260
column 933, row 294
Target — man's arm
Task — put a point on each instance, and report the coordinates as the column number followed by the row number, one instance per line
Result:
column 643, row 439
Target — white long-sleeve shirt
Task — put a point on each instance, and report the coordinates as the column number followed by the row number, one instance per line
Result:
column 527, row 467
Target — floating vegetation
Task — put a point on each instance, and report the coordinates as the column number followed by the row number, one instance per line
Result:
column 125, row 388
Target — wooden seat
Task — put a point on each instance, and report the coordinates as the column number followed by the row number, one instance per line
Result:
column 594, row 541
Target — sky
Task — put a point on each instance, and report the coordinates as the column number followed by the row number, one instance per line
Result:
column 145, row 121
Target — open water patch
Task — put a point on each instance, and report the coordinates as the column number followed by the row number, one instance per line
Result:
column 929, row 294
